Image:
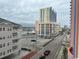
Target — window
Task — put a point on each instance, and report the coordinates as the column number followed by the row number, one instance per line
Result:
column 0, row 53
column 3, row 37
column 0, row 29
column 15, row 41
column 10, row 29
column 10, row 50
column 14, row 47
column 0, row 45
column 15, row 34
column 4, row 45
column 8, row 44
column 14, row 28
column 0, row 38
column 7, row 51
column 10, row 36
column 4, row 53
column 3, row 29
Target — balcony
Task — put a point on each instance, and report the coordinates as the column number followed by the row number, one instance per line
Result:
column 15, row 40
column 14, row 34
column 15, row 28
column 70, row 56
column 14, row 47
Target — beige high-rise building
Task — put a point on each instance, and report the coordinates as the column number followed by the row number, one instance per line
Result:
column 47, row 25
column 48, row 15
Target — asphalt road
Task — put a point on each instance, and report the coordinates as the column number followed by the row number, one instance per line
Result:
column 54, row 46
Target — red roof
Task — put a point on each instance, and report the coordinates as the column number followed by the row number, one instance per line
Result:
column 29, row 55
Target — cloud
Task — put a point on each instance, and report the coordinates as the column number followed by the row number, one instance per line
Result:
column 27, row 10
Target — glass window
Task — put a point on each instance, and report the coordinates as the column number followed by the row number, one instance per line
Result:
column 14, row 47
column 3, row 37
column 15, row 41
column 10, row 50
column 0, row 29
column 0, row 38
column 15, row 34
column 7, row 51
column 10, row 29
column 10, row 36
column 8, row 44
column 42, row 28
column 0, row 45
column 0, row 53
column 4, row 53
column 3, row 29
column 4, row 45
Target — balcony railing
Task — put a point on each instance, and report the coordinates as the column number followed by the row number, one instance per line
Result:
column 15, row 40
column 14, row 34
column 70, row 54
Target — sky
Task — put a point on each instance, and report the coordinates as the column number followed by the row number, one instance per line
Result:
column 27, row 11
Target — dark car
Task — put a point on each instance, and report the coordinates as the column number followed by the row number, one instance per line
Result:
column 47, row 52
column 25, row 49
column 42, row 57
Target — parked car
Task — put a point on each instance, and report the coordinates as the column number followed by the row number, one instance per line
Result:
column 47, row 52
column 42, row 57
column 33, row 40
column 25, row 49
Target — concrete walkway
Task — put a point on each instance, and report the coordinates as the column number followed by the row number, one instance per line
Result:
column 60, row 54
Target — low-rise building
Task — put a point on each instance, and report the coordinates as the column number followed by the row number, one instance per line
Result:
column 9, row 37
column 56, row 28
column 47, row 29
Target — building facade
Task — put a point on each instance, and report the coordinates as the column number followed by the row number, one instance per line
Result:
column 9, row 38
column 48, row 15
column 47, row 29
column 47, row 25
column 74, row 40
column 56, row 28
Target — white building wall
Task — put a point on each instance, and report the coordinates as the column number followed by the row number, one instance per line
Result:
column 7, row 49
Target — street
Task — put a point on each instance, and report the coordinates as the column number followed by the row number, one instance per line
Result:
column 54, row 46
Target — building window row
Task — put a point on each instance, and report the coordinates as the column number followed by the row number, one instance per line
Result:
column 2, row 38
column 14, row 47
column 15, row 34
column 3, row 53
column 3, row 29
column 5, row 37
column 9, row 29
column 4, row 44
column 10, row 50
column 15, row 40
column 9, row 37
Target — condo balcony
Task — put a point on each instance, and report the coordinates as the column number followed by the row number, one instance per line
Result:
column 70, row 53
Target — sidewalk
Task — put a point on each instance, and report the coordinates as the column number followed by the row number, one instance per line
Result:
column 29, row 55
column 60, row 54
